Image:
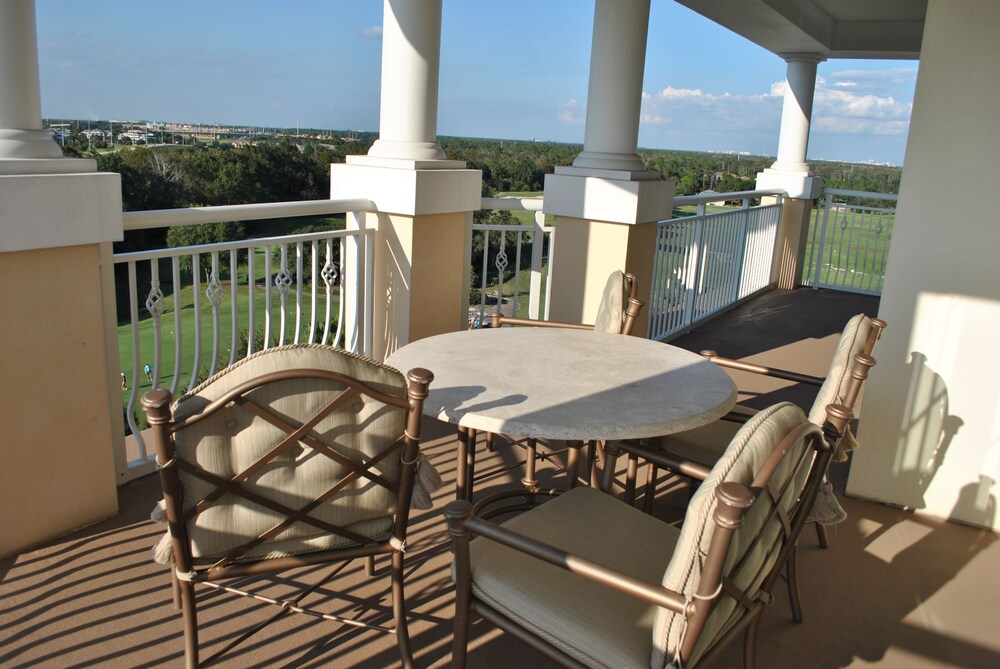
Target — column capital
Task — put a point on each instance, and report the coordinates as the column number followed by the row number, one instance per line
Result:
column 797, row 184
column 792, row 57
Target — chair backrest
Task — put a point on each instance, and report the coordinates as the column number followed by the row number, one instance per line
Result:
column 841, row 387
column 292, row 450
column 619, row 304
column 774, row 455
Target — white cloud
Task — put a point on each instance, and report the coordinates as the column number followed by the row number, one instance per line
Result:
column 849, row 102
column 374, row 32
column 572, row 113
column 671, row 93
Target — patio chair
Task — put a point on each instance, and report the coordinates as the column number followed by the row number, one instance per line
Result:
column 294, row 457
column 616, row 314
column 849, row 369
column 593, row 582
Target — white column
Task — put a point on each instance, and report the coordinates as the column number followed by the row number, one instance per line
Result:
column 796, row 114
column 614, row 97
column 411, row 52
column 21, row 134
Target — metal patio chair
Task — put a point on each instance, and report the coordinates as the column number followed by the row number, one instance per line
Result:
column 593, row 582
column 616, row 314
column 849, row 369
column 294, row 457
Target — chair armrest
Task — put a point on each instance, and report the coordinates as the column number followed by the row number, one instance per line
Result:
column 462, row 523
column 761, row 369
column 496, row 320
column 665, row 460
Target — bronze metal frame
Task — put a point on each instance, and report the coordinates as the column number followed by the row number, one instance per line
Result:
column 734, row 500
column 180, row 511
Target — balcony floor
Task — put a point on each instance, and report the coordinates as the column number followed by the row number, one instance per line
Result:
column 894, row 588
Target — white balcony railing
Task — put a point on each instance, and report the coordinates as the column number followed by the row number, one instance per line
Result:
column 710, row 261
column 848, row 244
column 517, row 285
column 201, row 308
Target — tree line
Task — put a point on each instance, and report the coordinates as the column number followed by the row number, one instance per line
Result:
column 280, row 169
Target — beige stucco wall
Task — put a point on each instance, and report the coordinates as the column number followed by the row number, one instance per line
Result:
column 930, row 432
column 419, row 281
column 586, row 252
column 56, row 461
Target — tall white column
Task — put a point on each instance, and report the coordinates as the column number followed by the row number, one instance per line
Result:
column 796, row 113
column 614, row 97
column 21, row 134
column 411, row 53
column 790, row 172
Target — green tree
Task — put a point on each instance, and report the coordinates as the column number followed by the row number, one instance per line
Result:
column 211, row 233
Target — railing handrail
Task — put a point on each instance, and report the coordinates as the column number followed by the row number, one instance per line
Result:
column 168, row 218
column 708, row 198
column 513, row 203
column 240, row 244
column 862, row 194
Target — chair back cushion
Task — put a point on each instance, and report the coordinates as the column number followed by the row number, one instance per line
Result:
column 838, row 379
column 755, row 544
column 611, row 311
column 230, row 440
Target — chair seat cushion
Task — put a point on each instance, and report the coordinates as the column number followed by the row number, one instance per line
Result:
column 595, row 624
column 704, row 445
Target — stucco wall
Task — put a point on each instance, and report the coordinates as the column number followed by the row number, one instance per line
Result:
column 56, row 460
column 930, row 432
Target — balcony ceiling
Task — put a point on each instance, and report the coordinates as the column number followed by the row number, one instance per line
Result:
column 882, row 29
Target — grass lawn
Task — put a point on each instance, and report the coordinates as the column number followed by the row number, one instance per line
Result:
column 856, row 248
column 184, row 300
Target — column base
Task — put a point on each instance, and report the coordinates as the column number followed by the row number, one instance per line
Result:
column 397, row 188
column 598, row 196
column 52, row 210
column 798, row 185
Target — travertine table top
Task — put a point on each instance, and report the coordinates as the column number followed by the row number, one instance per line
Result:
column 566, row 384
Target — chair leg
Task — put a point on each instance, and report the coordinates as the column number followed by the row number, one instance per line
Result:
column 792, row 578
column 610, row 461
column 649, row 494
column 573, row 462
column 529, row 481
column 190, row 616
column 822, row 536
column 630, row 477
column 176, row 590
column 399, row 611
column 750, row 643
column 593, row 463
column 370, row 566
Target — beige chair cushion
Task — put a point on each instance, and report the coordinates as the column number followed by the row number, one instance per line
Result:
column 838, row 379
column 598, row 626
column 750, row 448
column 232, row 439
column 705, row 444
column 611, row 311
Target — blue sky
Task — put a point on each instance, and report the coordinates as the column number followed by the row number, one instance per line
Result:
column 513, row 69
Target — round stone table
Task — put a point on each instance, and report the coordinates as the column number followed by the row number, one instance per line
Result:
column 566, row 384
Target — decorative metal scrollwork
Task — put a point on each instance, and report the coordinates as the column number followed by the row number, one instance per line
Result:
column 844, row 223
column 329, row 273
column 154, row 302
column 282, row 280
column 213, row 291
column 878, row 229
column 501, row 261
